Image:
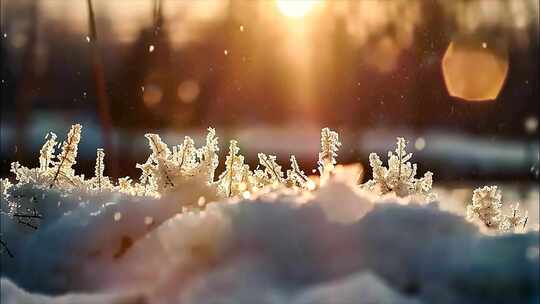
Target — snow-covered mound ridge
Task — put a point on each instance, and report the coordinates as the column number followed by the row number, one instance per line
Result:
column 278, row 248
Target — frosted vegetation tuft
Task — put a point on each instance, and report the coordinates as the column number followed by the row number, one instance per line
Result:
column 180, row 231
column 171, row 169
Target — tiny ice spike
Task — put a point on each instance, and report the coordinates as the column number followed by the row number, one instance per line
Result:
column 399, row 177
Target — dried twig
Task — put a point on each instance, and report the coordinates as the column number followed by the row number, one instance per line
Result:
column 6, row 248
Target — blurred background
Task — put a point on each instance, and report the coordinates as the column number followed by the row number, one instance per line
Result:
column 458, row 79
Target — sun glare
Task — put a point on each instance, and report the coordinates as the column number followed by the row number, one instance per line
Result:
column 295, row 8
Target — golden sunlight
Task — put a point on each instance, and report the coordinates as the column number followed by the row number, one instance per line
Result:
column 295, row 8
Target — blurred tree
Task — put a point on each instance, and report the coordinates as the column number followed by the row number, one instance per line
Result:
column 26, row 89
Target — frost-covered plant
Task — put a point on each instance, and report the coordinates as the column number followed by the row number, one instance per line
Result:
column 186, row 156
column 11, row 207
column 166, row 171
column 46, row 154
column 100, row 182
column 5, row 184
column 64, row 174
column 327, row 157
column 271, row 173
column 184, row 178
column 8, row 205
column 486, row 206
column 125, row 185
column 160, row 163
column 147, row 184
column 514, row 221
column 237, row 177
column 399, row 177
column 209, row 159
column 54, row 170
column 296, row 177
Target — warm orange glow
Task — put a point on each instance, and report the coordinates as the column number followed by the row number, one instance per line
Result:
column 474, row 72
column 152, row 95
column 295, row 8
column 188, row 91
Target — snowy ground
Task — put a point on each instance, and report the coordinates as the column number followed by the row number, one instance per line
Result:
column 337, row 245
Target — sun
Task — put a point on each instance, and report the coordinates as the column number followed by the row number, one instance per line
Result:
column 295, row 8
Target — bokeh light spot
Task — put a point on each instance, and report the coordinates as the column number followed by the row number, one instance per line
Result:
column 188, row 91
column 152, row 95
column 474, row 73
column 531, row 124
column 420, row 144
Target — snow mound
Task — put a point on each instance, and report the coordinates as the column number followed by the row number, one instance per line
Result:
column 11, row 294
column 279, row 248
column 364, row 287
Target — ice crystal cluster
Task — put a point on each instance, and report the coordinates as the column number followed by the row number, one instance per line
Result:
column 486, row 206
column 400, row 176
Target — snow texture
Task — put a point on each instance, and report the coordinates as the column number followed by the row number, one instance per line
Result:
column 11, row 294
column 270, row 251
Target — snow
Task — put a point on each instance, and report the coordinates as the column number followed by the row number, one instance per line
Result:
column 365, row 286
column 276, row 248
column 11, row 294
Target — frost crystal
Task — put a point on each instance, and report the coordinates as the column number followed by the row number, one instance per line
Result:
column 237, row 177
column 5, row 184
column 296, row 177
column 272, row 174
column 46, row 154
column 53, row 171
column 515, row 221
column 159, row 162
column 487, row 207
column 8, row 204
column 327, row 157
column 399, row 177
column 100, row 182
column 147, row 184
column 209, row 157
column 64, row 173
column 125, row 186
column 186, row 156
